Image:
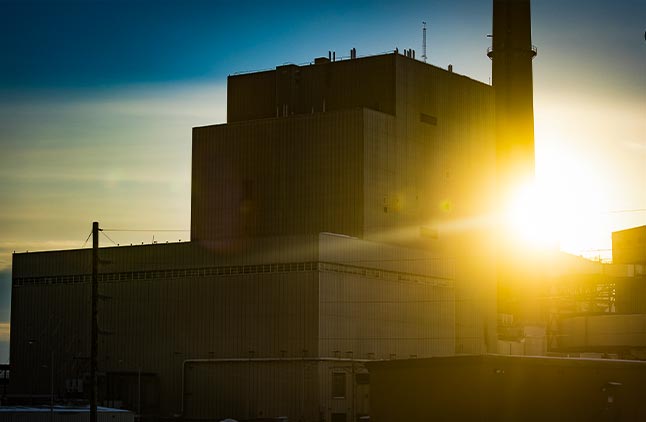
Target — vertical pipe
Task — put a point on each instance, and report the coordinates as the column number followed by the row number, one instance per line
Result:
column 94, row 327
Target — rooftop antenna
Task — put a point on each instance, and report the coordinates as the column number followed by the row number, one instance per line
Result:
column 424, row 41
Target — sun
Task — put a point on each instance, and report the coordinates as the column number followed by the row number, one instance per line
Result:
column 531, row 218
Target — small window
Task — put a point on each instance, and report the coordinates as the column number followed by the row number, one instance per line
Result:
column 338, row 385
column 430, row 120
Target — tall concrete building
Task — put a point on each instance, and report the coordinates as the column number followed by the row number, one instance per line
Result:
column 341, row 215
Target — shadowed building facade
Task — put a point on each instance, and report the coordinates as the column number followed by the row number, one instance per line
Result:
column 266, row 312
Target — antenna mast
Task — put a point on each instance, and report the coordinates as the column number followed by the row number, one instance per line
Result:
column 424, row 41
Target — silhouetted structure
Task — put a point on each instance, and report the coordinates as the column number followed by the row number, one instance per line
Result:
column 629, row 246
column 512, row 53
column 266, row 312
column 604, row 312
column 339, row 216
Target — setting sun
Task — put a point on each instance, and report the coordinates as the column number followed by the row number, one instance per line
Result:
column 531, row 217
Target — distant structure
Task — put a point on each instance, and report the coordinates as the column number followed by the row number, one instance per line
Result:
column 603, row 314
column 629, row 246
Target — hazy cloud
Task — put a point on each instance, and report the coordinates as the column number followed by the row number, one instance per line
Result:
column 122, row 157
column 4, row 342
column 5, row 294
column 4, row 331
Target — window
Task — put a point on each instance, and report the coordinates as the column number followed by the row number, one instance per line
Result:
column 338, row 385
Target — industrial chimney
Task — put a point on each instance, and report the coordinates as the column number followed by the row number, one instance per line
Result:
column 511, row 54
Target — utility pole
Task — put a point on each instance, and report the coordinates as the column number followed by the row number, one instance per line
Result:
column 95, row 325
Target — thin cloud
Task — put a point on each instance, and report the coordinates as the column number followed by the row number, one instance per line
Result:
column 5, row 328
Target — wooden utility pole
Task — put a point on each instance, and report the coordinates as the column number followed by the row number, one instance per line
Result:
column 95, row 325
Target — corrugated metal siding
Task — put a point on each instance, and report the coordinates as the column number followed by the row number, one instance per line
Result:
column 252, row 389
column 298, row 389
column 7, row 415
column 456, row 163
column 384, row 301
column 300, row 175
column 230, row 252
column 363, row 253
column 157, row 324
column 385, row 318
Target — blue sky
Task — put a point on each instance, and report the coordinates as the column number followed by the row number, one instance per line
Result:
column 97, row 101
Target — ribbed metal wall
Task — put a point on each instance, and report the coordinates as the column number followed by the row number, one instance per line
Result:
column 381, row 317
column 156, row 325
column 154, row 318
column 271, row 177
column 251, row 389
column 8, row 414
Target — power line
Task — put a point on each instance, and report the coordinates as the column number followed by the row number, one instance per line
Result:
column 86, row 239
column 144, row 230
column 109, row 238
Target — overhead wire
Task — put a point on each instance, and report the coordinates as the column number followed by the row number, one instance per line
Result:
column 144, row 230
column 86, row 239
column 110, row 239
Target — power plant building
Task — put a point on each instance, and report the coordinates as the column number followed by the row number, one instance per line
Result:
column 344, row 214
column 327, row 227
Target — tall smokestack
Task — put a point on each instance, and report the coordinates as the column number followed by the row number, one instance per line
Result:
column 511, row 54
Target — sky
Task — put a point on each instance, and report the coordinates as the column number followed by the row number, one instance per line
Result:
column 98, row 98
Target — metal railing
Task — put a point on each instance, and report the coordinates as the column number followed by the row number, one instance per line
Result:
column 533, row 51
